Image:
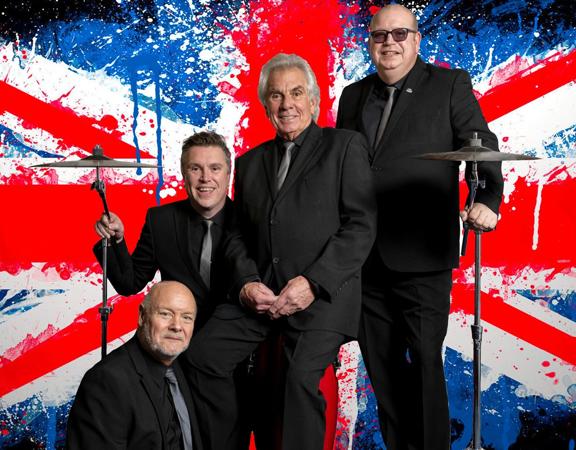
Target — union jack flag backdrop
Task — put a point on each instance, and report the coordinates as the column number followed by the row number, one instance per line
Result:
column 138, row 76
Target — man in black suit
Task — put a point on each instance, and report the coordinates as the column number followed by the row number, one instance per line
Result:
column 173, row 235
column 126, row 401
column 305, row 226
column 408, row 276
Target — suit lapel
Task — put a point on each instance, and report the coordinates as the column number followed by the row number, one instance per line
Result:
column 405, row 99
column 151, row 388
column 365, row 92
column 182, row 229
column 307, row 156
column 270, row 162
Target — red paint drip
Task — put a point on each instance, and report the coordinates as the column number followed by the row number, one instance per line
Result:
column 509, row 247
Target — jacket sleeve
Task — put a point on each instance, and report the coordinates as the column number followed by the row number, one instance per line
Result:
column 129, row 274
column 241, row 267
column 467, row 118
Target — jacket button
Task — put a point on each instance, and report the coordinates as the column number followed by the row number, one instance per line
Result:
column 273, row 222
column 275, row 260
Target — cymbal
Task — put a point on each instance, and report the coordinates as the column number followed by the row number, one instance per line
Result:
column 475, row 153
column 97, row 159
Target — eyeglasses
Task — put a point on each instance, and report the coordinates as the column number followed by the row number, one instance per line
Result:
column 398, row 34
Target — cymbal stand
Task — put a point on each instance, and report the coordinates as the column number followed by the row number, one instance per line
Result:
column 476, row 327
column 104, row 310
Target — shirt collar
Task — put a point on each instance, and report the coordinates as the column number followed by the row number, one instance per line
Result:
column 156, row 369
column 299, row 139
column 218, row 218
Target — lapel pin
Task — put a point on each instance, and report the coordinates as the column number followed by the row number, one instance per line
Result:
column 409, row 90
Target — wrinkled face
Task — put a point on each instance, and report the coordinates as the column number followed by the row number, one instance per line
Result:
column 288, row 105
column 206, row 178
column 394, row 59
column 166, row 327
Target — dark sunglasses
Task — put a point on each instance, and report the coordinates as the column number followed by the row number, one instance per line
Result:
column 398, row 34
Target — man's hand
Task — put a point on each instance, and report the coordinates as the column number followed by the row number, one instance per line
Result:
column 110, row 228
column 257, row 296
column 296, row 296
column 479, row 217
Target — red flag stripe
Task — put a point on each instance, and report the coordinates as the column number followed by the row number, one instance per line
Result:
column 516, row 322
column 74, row 341
column 528, row 85
column 64, row 124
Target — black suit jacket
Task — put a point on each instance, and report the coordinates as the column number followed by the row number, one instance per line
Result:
column 321, row 224
column 164, row 246
column 418, row 200
column 118, row 405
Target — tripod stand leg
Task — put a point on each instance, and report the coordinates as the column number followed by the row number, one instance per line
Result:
column 104, row 310
column 477, row 340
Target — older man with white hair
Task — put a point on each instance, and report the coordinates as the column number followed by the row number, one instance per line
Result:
column 306, row 221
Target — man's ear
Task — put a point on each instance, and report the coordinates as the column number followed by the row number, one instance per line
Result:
column 141, row 314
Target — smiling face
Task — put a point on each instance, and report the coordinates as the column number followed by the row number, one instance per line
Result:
column 206, row 178
column 393, row 59
column 288, row 103
column 166, row 323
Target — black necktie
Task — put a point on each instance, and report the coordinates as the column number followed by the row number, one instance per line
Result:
column 385, row 114
column 284, row 164
column 181, row 409
column 206, row 255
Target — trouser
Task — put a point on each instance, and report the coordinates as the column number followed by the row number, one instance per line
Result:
column 223, row 343
column 403, row 325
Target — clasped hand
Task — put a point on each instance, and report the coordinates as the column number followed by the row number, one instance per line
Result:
column 295, row 296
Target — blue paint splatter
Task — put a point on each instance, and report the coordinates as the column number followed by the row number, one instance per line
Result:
column 18, row 301
column 175, row 39
column 561, row 302
column 16, row 147
column 31, row 424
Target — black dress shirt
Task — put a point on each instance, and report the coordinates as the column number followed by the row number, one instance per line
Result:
column 196, row 234
column 375, row 104
column 157, row 371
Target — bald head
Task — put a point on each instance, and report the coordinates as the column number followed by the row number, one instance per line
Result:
column 398, row 11
column 394, row 58
column 166, row 320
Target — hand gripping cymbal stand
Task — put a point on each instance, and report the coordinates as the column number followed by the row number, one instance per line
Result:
column 473, row 153
column 98, row 160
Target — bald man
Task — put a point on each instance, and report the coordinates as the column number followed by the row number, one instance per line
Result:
column 125, row 401
column 405, row 109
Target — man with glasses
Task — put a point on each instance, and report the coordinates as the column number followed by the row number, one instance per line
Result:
column 405, row 109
